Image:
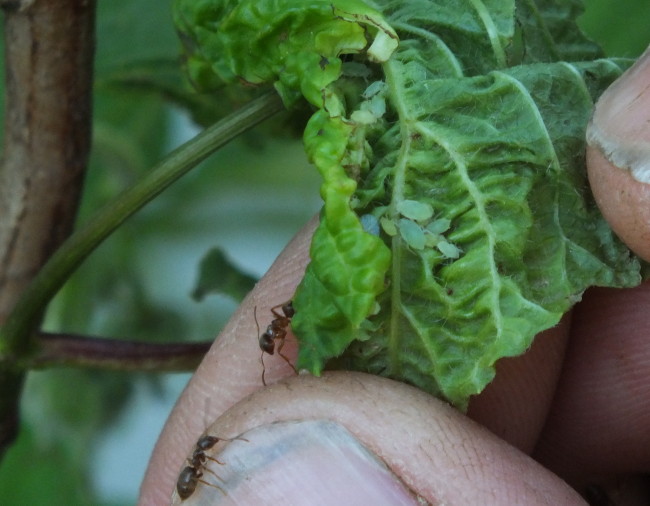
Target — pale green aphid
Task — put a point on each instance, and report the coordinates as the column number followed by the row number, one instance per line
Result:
column 376, row 88
column 439, row 226
column 412, row 233
column 363, row 117
column 415, row 210
column 465, row 150
column 388, row 226
column 448, row 249
column 374, row 105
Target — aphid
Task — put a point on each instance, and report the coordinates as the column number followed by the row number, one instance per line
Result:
column 273, row 338
column 191, row 475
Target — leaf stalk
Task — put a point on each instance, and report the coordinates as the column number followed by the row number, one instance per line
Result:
column 15, row 340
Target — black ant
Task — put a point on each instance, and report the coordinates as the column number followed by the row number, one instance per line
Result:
column 191, row 475
column 275, row 333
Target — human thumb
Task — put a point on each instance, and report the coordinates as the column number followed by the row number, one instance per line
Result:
column 355, row 439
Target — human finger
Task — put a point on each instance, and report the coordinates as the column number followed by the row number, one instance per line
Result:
column 618, row 156
column 599, row 425
column 231, row 370
column 347, row 437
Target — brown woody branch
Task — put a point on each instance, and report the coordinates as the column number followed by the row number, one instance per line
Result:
column 49, row 46
column 73, row 350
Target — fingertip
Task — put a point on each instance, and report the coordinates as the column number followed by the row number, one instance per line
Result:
column 438, row 454
column 231, row 369
column 514, row 406
column 311, row 462
column 618, row 156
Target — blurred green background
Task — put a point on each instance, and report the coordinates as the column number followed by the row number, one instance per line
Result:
column 87, row 435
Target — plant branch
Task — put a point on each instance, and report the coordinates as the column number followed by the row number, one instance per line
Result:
column 71, row 350
column 49, row 46
column 79, row 245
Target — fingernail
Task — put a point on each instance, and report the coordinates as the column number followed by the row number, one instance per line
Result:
column 620, row 126
column 300, row 463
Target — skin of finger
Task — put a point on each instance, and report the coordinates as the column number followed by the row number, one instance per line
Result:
column 624, row 201
column 618, row 146
column 229, row 372
column 515, row 405
column 232, row 370
column 440, row 454
column 599, row 425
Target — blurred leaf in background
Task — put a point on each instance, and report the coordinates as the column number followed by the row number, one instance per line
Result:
column 248, row 200
column 218, row 275
column 621, row 28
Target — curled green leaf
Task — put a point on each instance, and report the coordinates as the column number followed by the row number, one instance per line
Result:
column 295, row 44
column 460, row 146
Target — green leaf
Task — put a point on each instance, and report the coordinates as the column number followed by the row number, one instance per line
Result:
column 549, row 31
column 295, row 44
column 465, row 142
column 348, row 264
column 218, row 275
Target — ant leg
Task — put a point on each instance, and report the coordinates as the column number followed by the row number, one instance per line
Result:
column 237, row 438
column 205, row 468
column 263, row 369
column 213, row 460
column 276, row 313
column 213, row 485
column 286, row 359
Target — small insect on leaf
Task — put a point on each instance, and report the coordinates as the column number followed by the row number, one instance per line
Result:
column 412, row 233
column 414, row 210
column 439, row 226
column 388, row 226
column 363, row 117
column 448, row 249
column 375, row 88
column 370, row 224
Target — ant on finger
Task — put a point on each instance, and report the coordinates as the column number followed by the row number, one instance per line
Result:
column 273, row 338
column 191, row 475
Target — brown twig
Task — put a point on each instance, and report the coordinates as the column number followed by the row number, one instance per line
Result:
column 71, row 350
column 49, row 47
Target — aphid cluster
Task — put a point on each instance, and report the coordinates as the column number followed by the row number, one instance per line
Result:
column 273, row 338
column 191, row 475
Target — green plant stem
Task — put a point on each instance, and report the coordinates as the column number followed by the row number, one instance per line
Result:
column 16, row 339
